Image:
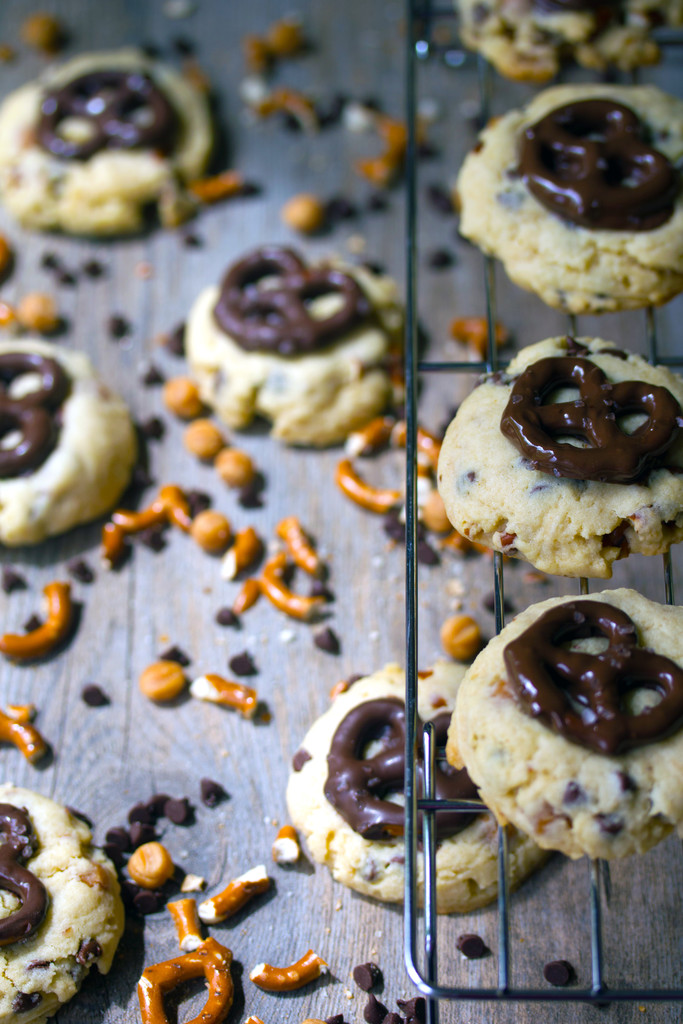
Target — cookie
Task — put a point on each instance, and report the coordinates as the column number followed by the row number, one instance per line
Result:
column 565, row 486
column 68, row 444
column 91, row 144
column 66, row 916
column 354, row 827
column 579, row 195
column 529, row 39
column 309, row 348
column 559, row 724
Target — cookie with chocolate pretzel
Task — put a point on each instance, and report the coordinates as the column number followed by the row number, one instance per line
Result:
column 571, row 723
column 67, row 443
column 580, row 195
column 529, row 40
column 310, row 347
column 60, row 908
column 92, row 144
column 345, row 795
column 570, row 459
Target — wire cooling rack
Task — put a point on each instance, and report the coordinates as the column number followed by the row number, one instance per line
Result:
column 422, row 956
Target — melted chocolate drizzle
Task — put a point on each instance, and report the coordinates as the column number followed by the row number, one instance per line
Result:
column 612, row 455
column 589, row 163
column 18, row 844
column 357, row 786
column 583, row 696
column 34, row 416
column 275, row 317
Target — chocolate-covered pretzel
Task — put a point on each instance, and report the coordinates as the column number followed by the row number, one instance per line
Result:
column 596, row 7
column 589, row 162
column 17, row 844
column 122, row 110
column 357, row 785
column 611, row 454
column 584, row 697
column 272, row 315
column 32, row 417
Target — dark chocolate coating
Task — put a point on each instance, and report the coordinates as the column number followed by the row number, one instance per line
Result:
column 589, row 163
column 612, row 456
column 583, row 696
column 33, row 416
column 18, row 844
column 596, row 7
column 356, row 786
column 125, row 109
column 276, row 319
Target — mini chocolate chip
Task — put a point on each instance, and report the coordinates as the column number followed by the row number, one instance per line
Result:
column 440, row 259
column 66, row 279
column 197, row 501
column 175, row 341
column 573, row 793
column 156, row 805
column 610, row 824
column 140, row 832
column 489, row 603
column 93, row 268
column 243, row 664
column 426, row 554
column 558, row 972
column 331, row 114
column 327, row 640
column 393, row 1018
column 183, row 46
column 366, row 976
column 394, row 528
column 300, row 759
column 32, row 623
column 118, row 837
column 377, row 202
column 150, row 50
column 192, row 241
column 179, row 811
column 628, row 785
column 114, row 853
column 226, row 617
column 118, row 326
column 211, row 792
column 12, row 580
column 414, row 1009
column 177, row 654
column 141, row 477
column 94, row 696
column 440, row 198
column 153, row 429
column 340, row 208
column 472, row 946
column 80, row 570
column 141, row 812
column 320, row 589
column 147, row 901
column 50, row 261
column 250, row 495
column 89, row 950
column 153, row 538
column 374, row 1012
column 336, row 1018
column 152, row 376
column 25, row 1001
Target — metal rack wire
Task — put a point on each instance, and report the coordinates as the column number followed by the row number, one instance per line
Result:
column 423, row 964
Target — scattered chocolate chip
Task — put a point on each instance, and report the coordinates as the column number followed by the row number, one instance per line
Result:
column 153, row 429
column 118, row 327
column 377, row 203
column 175, row 341
column 300, row 759
column 118, row 837
column 366, row 976
column 439, row 198
column 340, row 208
column 374, row 267
column 25, row 1001
column 37, row 965
column 157, row 804
column 336, row 1018
column 94, row 696
column 427, row 151
column 115, row 854
column 141, row 813
column 192, row 241
column 243, row 664
column 489, row 603
column 226, row 617
column 140, row 832
column 152, row 377
column 394, row 528
column 93, row 268
column 147, row 901
column 150, row 50
column 66, row 278
column 178, row 810
column 153, row 538
column 80, row 570
column 11, row 580
column 440, row 259
column 176, row 654
column 414, row 1009
column 250, row 495
column 393, row 1018
column 472, row 946
column 327, row 640
column 331, row 114
column 374, row 1012
column 320, row 589
column 89, row 950
column 211, row 792
column 50, row 261
column 197, row 501
column 141, row 477
column 610, row 824
column 183, row 46
column 32, row 623
column 426, row 554
column 558, row 972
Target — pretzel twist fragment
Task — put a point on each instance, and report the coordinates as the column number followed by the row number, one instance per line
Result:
column 41, row 641
column 235, row 895
column 299, row 546
column 210, row 959
column 186, row 920
column 218, row 690
column 245, row 550
column 374, row 499
column 285, row 979
column 17, row 729
column 279, row 594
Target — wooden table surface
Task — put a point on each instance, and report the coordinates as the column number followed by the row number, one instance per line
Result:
column 106, row 759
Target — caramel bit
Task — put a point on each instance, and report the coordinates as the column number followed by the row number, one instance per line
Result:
column 218, row 187
column 181, row 397
column 212, row 531
column 434, row 513
column 235, row 467
column 150, row 865
column 304, row 213
column 203, row 439
column 460, row 637
column 162, row 681
column 37, row 311
column 43, row 32
column 473, row 331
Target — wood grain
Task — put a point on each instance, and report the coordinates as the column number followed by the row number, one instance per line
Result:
column 108, row 758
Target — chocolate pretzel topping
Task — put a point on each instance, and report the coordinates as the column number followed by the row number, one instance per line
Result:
column 357, row 785
column 122, row 110
column 34, row 416
column 273, row 315
column 17, row 844
column 611, row 454
column 597, row 7
column 584, row 697
column 589, row 163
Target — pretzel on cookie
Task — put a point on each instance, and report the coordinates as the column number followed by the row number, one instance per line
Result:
column 210, row 959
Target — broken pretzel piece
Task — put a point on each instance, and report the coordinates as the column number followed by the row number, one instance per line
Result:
column 218, row 690
column 15, row 727
column 285, row 979
column 235, row 895
column 209, row 959
column 278, row 593
column 39, row 642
